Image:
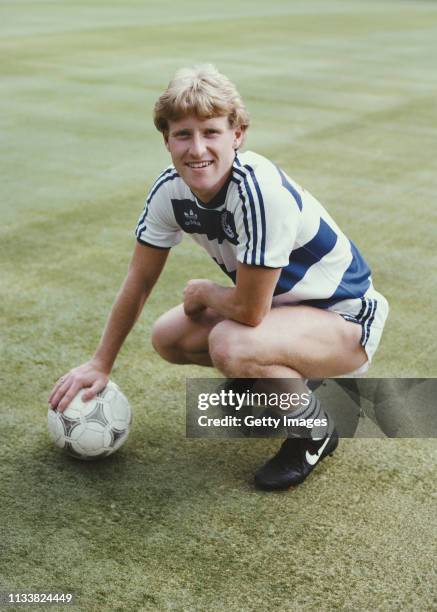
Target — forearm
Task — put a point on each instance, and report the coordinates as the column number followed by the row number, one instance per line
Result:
column 125, row 311
column 226, row 301
column 248, row 302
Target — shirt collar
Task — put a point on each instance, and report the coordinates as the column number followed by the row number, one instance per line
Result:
column 219, row 198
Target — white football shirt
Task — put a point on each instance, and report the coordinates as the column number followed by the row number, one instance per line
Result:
column 261, row 218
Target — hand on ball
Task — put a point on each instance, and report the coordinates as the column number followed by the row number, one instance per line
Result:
column 88, row 375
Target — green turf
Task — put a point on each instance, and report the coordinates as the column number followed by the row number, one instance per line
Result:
column 342, row 95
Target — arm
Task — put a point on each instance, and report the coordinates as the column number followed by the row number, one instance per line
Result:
column 248, row 302
column 144, row 270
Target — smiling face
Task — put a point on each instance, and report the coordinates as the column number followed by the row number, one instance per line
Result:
column 203, row 151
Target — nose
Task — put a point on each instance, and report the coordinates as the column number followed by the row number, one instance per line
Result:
column 197, row 146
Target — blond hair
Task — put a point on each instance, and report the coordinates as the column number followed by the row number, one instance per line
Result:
column 201, row 91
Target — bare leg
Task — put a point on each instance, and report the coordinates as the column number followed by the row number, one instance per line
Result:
column 181, row 339
column 291, row 341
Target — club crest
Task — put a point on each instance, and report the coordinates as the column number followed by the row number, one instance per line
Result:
column 228, row 225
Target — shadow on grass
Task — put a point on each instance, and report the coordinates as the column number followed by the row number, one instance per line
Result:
column 153, row 472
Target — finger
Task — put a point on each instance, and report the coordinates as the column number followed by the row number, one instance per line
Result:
column 56, row 393
column 60, row 392
column 68, row 396
column 97, row 386
column 57, row 386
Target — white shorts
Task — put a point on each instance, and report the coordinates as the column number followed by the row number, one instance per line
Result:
column 370, row 312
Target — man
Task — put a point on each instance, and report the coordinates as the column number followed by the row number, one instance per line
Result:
column 303, row 305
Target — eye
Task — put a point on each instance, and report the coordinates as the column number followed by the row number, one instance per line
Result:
column 182, row 135
column 211, row 132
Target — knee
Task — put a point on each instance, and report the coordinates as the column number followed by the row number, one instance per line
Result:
column 164, row 341
column 229, row 350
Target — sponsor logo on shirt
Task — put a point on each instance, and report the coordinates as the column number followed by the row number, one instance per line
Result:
column 191, row 218
column 215, row 224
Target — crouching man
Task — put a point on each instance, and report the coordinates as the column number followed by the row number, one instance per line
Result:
column 302, row 306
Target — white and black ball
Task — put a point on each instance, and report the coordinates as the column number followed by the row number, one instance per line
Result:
column 93, row 429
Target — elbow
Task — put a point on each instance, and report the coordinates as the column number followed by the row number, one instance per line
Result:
column 254, row 321
column 252, row 317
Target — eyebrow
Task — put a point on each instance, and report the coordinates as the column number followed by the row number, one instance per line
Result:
column 184, row 131
column 181, row 131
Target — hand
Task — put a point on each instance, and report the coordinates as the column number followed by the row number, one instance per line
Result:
column 88, row 375
column 194, row 296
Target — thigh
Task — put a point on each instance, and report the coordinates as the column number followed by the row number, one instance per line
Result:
column 316, row 343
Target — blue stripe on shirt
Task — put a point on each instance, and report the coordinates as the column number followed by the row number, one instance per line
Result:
column 262, row 213
column 245, row 218
column 354, row 283
column 306, row 256
column 253, row 215
column 161, row 183
column 289, row 187
column 158, row 184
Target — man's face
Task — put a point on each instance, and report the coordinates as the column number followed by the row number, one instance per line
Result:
column 203, row 151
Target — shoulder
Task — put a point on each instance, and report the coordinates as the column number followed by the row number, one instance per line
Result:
column 255, row 166
column 168, row 184
column 259, row 177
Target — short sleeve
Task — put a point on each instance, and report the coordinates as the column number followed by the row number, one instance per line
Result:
column 267, row 223
column 157, row 225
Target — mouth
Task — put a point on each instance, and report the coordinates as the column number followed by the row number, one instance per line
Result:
column 200, row 164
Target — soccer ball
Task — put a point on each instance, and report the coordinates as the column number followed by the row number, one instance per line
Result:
column 94, row 429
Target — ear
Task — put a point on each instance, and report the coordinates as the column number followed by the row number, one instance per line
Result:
column 165, row 136
column 238, row 137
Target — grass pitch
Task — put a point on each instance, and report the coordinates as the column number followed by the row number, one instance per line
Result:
column 342, row 95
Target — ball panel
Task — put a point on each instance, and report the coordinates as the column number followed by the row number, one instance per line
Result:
column 68, row 424
column 97, row 414
column 69, row 448
column 90, row 438
column 56, row 428
column 118, row 410
column 120, row 438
